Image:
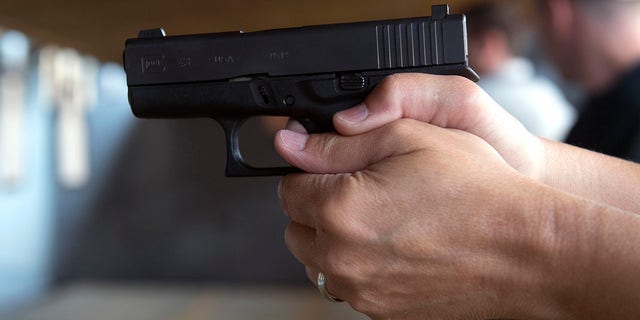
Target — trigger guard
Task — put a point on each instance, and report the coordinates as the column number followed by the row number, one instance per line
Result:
column 236, row 166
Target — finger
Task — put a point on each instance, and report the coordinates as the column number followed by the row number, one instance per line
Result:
column 296, row 126
column 332, row 154
column 304, row 198
column 331, row 287
column 301, row 243
column 440, row 100
column 300, row 205
column 445, row 101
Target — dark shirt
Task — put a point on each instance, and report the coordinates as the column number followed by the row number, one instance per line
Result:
column 610, row 122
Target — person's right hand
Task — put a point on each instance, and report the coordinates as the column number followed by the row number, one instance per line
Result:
column 428, row 98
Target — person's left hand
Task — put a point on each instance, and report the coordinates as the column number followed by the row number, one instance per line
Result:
column 412, row 221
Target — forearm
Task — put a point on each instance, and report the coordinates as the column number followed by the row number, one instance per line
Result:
column 591, row 175
column 596, row 260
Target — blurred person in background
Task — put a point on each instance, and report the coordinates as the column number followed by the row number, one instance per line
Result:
column 495, row 41
column 596, row 43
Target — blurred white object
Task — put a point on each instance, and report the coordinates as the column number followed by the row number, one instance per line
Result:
column 46, row 58
column 74, row 92
column 90, row 73
column 113, row 83
column 531, row 98
column 14, row 60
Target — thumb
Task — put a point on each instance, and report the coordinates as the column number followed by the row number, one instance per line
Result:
column 331, row 153
column 444, row 101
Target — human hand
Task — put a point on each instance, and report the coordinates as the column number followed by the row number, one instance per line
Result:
column 447, row 102
column 419, row 224
column 456, row 102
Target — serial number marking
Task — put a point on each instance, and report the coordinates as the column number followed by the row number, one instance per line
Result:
column 223, row 59
column 184, row 62
column 153, row 64
column 279, row 55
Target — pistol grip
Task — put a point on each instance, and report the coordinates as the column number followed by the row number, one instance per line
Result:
column 236, row 166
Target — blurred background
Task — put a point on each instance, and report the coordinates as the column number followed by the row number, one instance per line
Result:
column 106, row 216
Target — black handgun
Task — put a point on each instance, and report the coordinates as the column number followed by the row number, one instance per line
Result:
column 307, row 73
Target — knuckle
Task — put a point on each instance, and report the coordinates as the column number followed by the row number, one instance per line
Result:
column 323, row 146
column 342, row 213
column 460, row 82
column 402, row 127
column 402, row 130
column 284, row 194
column 327, row 144
column 391, row 83
column 470, row 92
column 389, row 92
column 338, row 263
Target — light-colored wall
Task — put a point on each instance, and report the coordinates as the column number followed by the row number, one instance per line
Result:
column 26, row 214
column 36, row 212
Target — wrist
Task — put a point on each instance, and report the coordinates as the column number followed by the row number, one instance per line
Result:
column 600, row 252
column 560, row 272
column 540, row 285
column 552, row 255
column 553, row 164
column 594, row 176
column 586, row 259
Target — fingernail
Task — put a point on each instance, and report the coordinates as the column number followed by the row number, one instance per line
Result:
column 354, row 115
column 295, row 125
column 280, row 189
column 293, row 140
